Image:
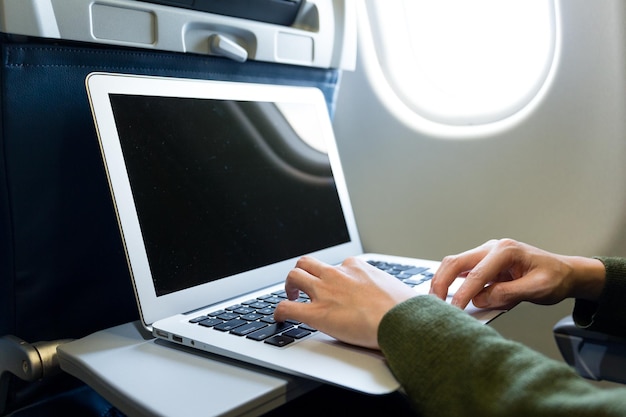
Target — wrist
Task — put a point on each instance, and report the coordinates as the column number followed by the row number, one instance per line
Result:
column 589, row 276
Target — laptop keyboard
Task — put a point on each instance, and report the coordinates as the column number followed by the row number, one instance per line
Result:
column 409, row 274
column 254, row 319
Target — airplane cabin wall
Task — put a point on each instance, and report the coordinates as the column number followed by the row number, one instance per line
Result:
column 555, row 180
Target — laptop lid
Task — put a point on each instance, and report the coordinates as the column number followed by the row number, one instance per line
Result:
column 219, row 187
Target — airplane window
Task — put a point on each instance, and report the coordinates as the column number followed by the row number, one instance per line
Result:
column 460, row 63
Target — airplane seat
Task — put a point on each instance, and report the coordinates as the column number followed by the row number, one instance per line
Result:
column 594, row 355
column 63, row 272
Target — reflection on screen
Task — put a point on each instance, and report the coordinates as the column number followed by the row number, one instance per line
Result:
column 222, row 187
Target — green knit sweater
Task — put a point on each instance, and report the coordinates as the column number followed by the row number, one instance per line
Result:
column 449, row 364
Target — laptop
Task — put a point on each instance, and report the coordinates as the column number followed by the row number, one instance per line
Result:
column 219, row 188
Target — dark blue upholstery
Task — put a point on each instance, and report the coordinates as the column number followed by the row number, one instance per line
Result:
column 62, row 269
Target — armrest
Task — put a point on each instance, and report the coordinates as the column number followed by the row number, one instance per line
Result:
column 594, row 355
column 29, row 362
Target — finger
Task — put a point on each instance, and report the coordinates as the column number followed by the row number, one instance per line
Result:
column 498, row 260
column 294, row 310
column 455, row 266
column 299, row 280
column 500, row 295
column 311, row 265
column 535, row 287
column 353, row 266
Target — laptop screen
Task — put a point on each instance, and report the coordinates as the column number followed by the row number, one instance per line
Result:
column 224, row 186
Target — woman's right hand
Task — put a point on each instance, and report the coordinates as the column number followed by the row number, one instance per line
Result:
column 501, row 273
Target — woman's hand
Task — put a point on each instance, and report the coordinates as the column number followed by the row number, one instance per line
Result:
column 347, row 301
column 502, row 273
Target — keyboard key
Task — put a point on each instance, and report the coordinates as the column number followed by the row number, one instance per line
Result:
column 416, row 270
column 274, row 299
column 267, row 311
column 403, row 276
column 243, row 310
column 270, row 330
column 230, row 325
column 415, row 280
column 307, row 327
column 216, row 313
column 228, row 316
column 210, row 322
column 297, row 333
column 257, row 305
column 279, row 340
column 252, row 316
column 248, row 328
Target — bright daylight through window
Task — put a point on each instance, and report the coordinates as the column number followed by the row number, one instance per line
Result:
column 464, row 63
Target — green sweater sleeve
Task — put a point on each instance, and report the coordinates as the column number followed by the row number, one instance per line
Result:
column 449, row 364
column 608, row 315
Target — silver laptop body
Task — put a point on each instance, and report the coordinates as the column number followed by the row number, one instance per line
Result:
column 219, row 188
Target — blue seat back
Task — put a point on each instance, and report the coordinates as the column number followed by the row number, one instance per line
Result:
column 63, row 273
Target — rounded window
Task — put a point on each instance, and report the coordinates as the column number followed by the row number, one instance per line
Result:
column 464, row 63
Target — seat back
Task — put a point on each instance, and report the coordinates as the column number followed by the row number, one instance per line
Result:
column 63, row 273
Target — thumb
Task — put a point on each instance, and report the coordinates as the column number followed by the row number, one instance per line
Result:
column 499, row 295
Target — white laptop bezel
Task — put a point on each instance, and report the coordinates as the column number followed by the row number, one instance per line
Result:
column 151, row 307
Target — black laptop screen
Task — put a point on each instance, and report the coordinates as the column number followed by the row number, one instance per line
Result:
column 222, row 187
